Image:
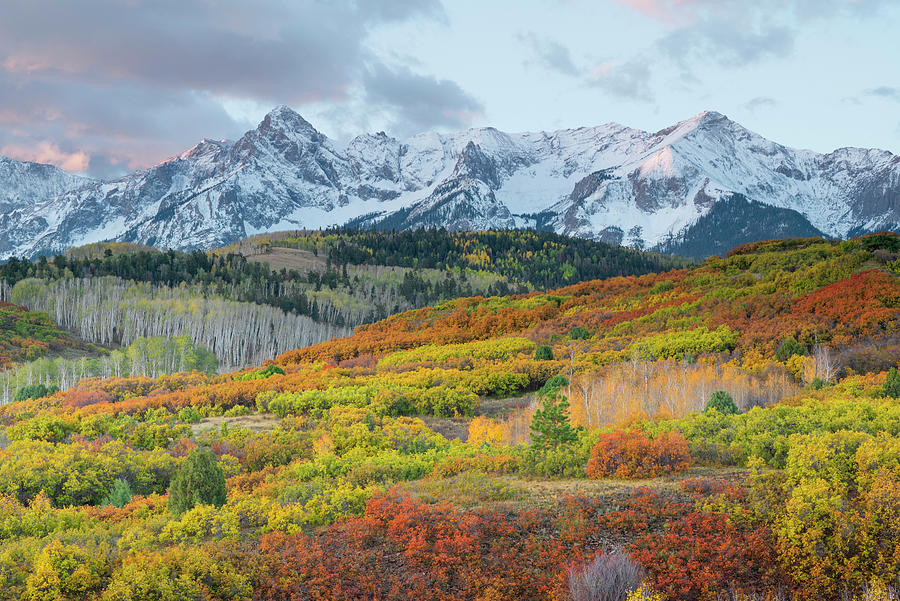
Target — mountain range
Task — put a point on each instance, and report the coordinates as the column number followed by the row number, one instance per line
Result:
column 696, row 188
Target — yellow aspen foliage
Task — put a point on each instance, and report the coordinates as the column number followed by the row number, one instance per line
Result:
column 486, row 430
column 877, row 591
column 324, row 444
column 638, row 390
column 802, row 367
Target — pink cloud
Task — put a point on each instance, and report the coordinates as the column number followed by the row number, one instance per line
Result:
column 603, row 69
column 49, row 153
column 667, row 11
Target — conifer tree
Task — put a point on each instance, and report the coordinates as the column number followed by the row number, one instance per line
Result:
column 550, row 426
column 722, row 402
column 199, row 481
column 892, row 384
column 120, row 494
column 543, row 353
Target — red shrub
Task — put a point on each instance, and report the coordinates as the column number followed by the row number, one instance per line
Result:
column 702, row 555
column 633, row 455
column 403, row 549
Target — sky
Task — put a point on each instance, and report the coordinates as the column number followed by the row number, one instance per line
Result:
column 103, row 87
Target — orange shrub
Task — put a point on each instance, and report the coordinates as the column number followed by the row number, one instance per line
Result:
column 699, row 556
column 82, row 398
column 632, row 455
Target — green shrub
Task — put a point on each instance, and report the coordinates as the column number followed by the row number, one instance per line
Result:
column 199, row 481
column 543, row 353
column 562, row 462
column 892, row 384
column 120, row 495
column 189, row 414
column 34, row 391
column 722, row 402
column 261, row 374
column 579, row 333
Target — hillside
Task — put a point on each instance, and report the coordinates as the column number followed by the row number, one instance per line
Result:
column 27, row 335
column 523, row 258
column 268, row 294
column 497, row 448
column 607, row 182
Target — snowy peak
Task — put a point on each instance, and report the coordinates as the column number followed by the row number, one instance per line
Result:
column 23, row 183
column 282, row 133
column 676, row 189
column 285, row 120
column 475, row 164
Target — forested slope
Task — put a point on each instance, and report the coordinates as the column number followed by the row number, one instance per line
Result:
column 727, row 430
column 538, row 259
column 272, row 293
column 109, row 310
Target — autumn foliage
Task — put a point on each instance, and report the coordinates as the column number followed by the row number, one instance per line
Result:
column 398, row 463
column 633, row 455
column 700, row 555
column 403, row 549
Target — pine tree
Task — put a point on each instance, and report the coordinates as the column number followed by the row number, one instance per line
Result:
column 579, row 333
column 199, row 481
column 722, row 402
column 550, row 426
column 789, row 347
column 120, row 494
column 892, row 384
column 543, row 353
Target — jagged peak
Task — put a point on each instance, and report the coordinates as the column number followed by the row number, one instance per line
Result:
column 284, row 118
column 377, row 137
column 701, row 120
column 709, row 116
column 204, row 146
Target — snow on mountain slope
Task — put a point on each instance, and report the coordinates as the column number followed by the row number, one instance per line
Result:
column 608, row 182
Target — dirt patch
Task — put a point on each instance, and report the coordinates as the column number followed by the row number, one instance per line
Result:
column 505, row 407
column 547, row 493
column 449, row 427
column 258, row 422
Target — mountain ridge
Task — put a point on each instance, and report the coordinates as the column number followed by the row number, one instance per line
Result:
column 608, row 182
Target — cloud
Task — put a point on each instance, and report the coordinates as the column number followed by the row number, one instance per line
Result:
column 686, row 11
column 760, row 102
column 736, row 32
column 287, row 51
column 667, row 11
column 629, row 80
column 129, row 83
column 728, row 44
column 886, row 92
column 118, row 127
column 550, row 53
column 49, row 153
column 419, row 102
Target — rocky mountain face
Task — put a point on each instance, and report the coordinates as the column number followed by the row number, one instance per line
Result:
column 689, row 188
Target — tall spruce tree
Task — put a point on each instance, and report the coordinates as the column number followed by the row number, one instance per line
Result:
column 550, row 426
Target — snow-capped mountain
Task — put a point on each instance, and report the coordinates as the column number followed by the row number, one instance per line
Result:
column 661, row 190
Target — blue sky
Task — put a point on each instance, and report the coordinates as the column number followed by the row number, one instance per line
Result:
column 104, row 86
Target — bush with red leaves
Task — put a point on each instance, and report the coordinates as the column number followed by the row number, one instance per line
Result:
column 633, row 455
column 701, row 555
